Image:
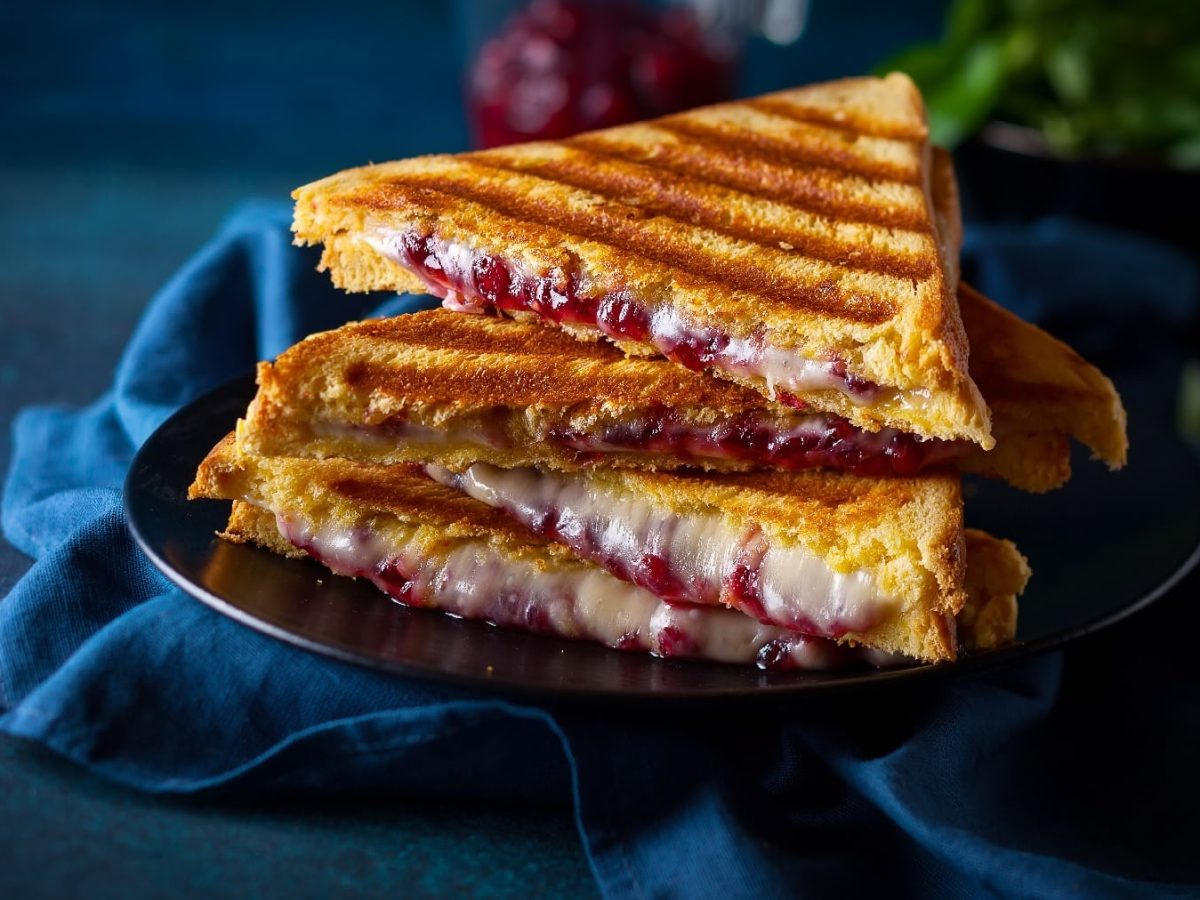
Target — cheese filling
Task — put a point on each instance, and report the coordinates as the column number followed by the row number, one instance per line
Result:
column 469, row 280
column 562, row 598
column 699, row 558
column 788, row 441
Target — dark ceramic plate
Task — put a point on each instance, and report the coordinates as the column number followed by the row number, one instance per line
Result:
column 1100, row 548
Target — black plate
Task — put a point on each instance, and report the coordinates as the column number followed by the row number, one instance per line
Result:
column 1100, row 548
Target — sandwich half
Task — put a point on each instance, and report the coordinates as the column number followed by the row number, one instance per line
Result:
column 1041, row 393
column 437, row 386
column 428, row 545
column 803, row 244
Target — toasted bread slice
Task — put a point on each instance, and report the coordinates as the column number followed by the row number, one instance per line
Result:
column 436, row 386
column 788, row 243
column 996, row 576
column 439, row 386
column 1041, row 392
column 889, row 551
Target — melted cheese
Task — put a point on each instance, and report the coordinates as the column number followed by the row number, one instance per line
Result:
column 620, row 530
column 475, row 580
column 777, row 367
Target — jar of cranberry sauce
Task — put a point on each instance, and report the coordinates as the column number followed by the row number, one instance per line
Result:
column 548, row 69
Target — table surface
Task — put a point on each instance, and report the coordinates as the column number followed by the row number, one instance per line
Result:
column 121, row 842
column 130, row 129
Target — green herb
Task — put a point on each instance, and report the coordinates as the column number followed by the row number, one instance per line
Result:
column 1101, row 79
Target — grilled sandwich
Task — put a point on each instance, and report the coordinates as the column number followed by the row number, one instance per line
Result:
column 803, row 244
column 439, row 387
column 898, row 543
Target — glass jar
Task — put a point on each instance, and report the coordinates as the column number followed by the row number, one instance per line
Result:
column 547, row 69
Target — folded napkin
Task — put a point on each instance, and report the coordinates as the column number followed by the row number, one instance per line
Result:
column 1068, row 774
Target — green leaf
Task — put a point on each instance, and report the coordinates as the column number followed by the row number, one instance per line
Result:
column 1069, row 73
column 1108, row 78
column 959, row 106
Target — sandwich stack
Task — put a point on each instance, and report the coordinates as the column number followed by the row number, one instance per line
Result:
column 703, row 386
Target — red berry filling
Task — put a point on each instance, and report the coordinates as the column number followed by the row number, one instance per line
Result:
column 392, row 579
column 743, row 586
column 559, row 67
column 655, row 574
column 783, row 654
column 814, row 441
column 674, row 641
column 776, row 655
column 619, row 316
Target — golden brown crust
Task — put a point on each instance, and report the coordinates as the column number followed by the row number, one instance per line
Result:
column 471, row 363
column 1032, row 461
column 836, row 195
column 250, row 525
column 996, row 576
column 846, row 262
column 947, row 217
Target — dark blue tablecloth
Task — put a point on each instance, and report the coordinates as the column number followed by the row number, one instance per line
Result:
column 1067, row 775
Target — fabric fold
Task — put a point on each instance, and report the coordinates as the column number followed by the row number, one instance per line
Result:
column 968, row 787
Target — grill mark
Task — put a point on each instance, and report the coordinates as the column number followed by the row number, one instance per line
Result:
column 601, row 227
column 412, row 380
column 783, row 154
column 437, row 330
column 495, row 354
column 683, row 202
column 509, row 383
column 800, row 189
column 858, row 125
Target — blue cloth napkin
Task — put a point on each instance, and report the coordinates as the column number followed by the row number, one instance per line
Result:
column 1066, row 775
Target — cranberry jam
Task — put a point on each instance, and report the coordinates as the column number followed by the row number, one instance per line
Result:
column 471, row 281
column 559, row 67
column 824, row 441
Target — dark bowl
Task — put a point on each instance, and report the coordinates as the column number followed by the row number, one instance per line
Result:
column 1007, row 174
